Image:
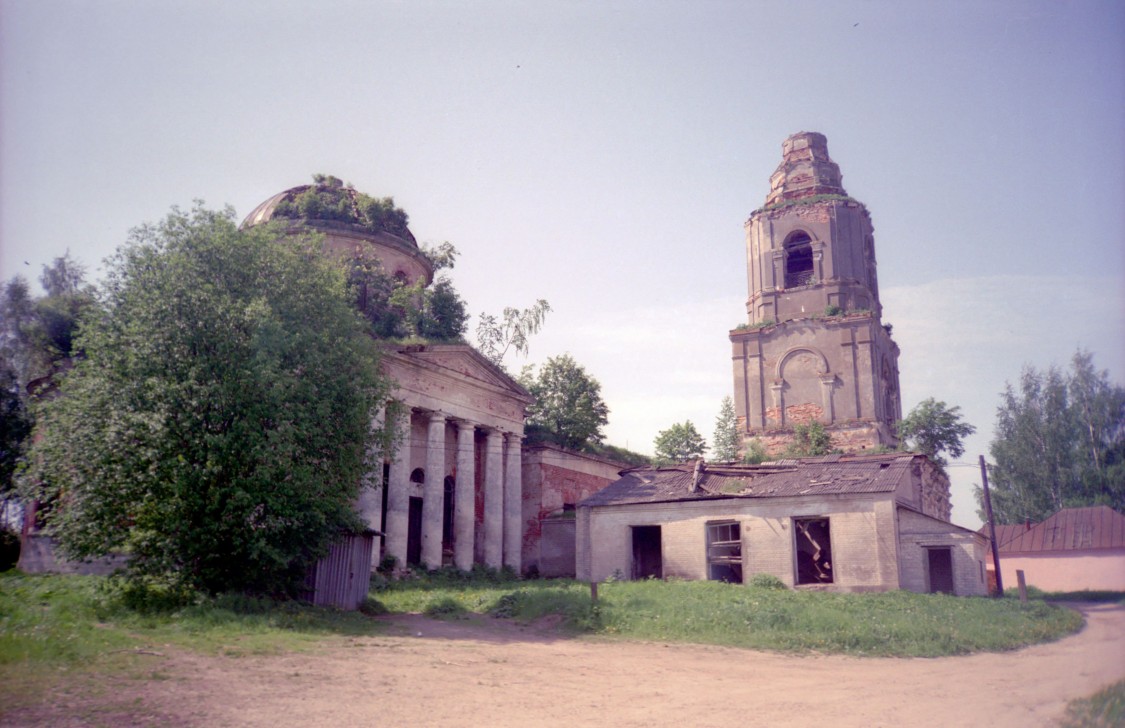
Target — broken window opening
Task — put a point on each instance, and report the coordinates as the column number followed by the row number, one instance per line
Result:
column 814, row 550
column 724, row 551
column 798, row 261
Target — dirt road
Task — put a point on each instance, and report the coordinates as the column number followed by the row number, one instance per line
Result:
column 487, row 673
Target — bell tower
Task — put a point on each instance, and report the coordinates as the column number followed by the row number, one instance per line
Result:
column 814, row 347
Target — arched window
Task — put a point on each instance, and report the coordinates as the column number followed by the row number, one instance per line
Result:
column 418, row 475
column 798, row 260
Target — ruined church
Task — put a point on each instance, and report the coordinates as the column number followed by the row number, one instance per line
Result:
column 814, row 348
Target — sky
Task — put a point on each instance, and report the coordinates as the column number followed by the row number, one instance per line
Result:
column 605, row 155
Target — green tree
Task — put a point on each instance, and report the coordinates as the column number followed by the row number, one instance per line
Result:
column 444, row 316
column 396, row 309
column 810, row 439
column 37, row 334
column 933, row 428
column 495, row 337
column 15, row 425
column 568, row 407
column 1098, row 409
column 1059, row 442
column 755, row 452
column 726, row 439
column 217, row 426
column 679, row 443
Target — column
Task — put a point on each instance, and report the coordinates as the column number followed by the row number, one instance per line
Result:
column 778, row 403
column 494, row 500
column 433, row 491
column 827, row 382
column 513, row 505
column 369, row 502
column 398, row 485
column 464, row 500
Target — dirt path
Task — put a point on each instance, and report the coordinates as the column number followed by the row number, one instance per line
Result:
column 486, row 673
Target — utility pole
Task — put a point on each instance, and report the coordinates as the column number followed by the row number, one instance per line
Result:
column 991, row 528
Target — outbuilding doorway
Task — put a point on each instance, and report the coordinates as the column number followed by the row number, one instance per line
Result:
column 940, row 565
column 647, row 561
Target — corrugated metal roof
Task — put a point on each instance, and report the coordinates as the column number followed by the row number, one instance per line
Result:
column 829, row 475
column 1005, row 533
column 1071, row 529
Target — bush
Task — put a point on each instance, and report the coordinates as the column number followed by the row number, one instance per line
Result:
column 767, row 581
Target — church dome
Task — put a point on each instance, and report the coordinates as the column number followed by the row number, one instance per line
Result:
column 353, row 224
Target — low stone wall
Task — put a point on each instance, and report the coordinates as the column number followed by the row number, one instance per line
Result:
column 39, row 555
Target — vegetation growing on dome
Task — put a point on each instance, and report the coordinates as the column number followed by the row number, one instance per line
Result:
column 329, row 198
column 812, row 200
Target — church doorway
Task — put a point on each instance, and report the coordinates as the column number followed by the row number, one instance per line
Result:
column 414, row 533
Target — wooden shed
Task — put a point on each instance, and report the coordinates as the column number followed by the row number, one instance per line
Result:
column 342, row 578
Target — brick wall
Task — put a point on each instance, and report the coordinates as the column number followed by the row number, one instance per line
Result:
column 918, row 533
column 553, row 477
column 862, row 535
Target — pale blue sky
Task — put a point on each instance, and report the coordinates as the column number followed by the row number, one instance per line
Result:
column 605, row 155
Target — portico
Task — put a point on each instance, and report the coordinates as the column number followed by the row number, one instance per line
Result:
column 451, row 491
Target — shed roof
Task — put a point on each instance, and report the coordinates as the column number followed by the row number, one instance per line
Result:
column 827, row 475
column 1071, row 529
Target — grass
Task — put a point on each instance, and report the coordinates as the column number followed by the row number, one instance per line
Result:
column 73, row 644
column 1103, row 709
column 899, row 624
column 59, row 619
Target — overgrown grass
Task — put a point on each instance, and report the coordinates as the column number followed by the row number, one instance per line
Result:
column 76, row 619
column 1103, row 709
column 887, row 624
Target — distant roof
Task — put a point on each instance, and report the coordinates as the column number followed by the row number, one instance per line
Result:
column 1071, row 529
column 1005, row 532
column 827, row 475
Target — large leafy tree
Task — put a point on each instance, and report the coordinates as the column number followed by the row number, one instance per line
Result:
column 36, row 340
column 1060, row 442
column 933, row 428
column 15, row 425
column 568, row 407
column 726, row 437
column 679, row 443
column 216, row 427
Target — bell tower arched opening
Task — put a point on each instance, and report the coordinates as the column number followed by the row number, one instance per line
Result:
column 798, row 260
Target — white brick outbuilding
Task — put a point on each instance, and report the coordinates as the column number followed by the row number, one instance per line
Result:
column 839, row 522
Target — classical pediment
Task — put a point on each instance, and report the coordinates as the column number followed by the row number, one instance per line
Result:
column 463, row 362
